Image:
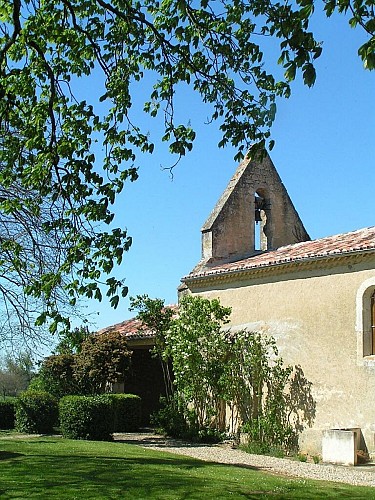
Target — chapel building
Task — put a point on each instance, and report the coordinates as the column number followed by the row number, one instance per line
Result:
column 316, row 298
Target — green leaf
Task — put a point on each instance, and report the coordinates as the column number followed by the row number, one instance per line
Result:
column 290, row 73
column 309, row 74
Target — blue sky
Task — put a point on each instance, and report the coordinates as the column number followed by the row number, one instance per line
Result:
column 324, row 154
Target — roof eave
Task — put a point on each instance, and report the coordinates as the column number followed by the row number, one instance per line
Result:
column 277, row 265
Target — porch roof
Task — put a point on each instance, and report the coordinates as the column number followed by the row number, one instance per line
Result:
column 132, row 329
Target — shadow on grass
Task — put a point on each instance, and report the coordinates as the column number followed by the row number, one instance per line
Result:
column 150, row 441
column 58, row 469
column 104, row 477
column 8, row 455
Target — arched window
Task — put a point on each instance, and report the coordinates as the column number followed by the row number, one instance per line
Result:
column 365, row 321
column 372, row 314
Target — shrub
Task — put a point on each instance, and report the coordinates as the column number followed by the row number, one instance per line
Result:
column 127, row 412
column 87, row 417
column 36, row 412
column 7, row 414
column 210, row 436
column 170, row 419
column 178, row 422
column 104, row 359
column 56, row 376
column 260, row 448
column 212, row 366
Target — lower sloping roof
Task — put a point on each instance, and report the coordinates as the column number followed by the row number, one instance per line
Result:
column 133, row 329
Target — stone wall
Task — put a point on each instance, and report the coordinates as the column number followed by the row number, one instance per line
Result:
column 312, row 311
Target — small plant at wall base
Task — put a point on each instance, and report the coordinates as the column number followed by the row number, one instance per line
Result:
column 171, row 419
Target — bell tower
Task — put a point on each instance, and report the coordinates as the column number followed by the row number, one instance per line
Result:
column 253, row 215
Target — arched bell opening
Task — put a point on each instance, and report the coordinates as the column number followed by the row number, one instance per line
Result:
column 261, row 215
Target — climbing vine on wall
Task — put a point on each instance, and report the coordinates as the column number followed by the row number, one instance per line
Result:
column 216, row 368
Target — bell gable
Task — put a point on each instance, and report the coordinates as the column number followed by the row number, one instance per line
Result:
column 254, row 214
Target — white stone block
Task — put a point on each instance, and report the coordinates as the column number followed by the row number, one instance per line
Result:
column 339, row 446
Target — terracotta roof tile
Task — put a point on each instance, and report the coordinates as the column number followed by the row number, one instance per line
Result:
column 132, row 329
column 340, row 244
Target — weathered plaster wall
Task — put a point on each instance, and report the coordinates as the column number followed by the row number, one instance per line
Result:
column 313, row 315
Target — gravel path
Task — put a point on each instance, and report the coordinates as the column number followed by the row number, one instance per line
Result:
column 225, row 454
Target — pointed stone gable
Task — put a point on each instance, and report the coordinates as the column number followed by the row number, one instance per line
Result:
column 255, row 193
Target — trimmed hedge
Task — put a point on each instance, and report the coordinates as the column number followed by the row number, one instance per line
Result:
column 87, row 417
column 127, row 409
column 36, row 412
column 7, row 414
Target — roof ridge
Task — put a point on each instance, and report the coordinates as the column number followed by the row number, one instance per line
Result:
column 332, row 236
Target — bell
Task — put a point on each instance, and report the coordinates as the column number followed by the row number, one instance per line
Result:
column 258, row 217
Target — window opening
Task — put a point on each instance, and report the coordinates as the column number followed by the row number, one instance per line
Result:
column 260, row 221
column 373, row 323
column 365, row 321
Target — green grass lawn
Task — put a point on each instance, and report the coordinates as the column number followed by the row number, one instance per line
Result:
column 64, row 469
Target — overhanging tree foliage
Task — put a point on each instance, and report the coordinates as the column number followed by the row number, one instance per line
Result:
column 55, row 194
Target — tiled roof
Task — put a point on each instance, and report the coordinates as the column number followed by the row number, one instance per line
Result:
column 340, row 244
column 132, row 329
